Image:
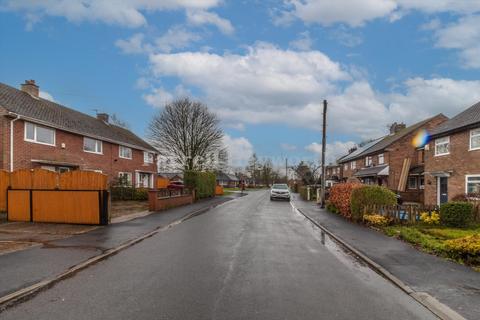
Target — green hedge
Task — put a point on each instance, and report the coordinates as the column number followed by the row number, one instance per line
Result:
column 128, row 193
column 370, row 195
column 456, row 214
column 203, row 182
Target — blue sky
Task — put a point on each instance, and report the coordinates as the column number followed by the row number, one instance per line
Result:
column 263, row 66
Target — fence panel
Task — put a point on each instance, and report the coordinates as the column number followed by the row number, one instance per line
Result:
column 82, row 180
column 4, row 184
column 21, row 179
column 162, row 183
column 44, row 179
column 80, row 207
column 18, row 205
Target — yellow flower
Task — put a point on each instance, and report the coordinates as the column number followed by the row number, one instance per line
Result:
column 376, row 220
column 430, row 218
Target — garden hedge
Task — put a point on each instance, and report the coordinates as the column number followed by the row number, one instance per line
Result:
column 202, row 182
column 456, row 214
column 340, row 195
column 128, row 193
column 370, row 195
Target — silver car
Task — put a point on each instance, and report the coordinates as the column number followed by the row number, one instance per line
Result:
column 280, row 191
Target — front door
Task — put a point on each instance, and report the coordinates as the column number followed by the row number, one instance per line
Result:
column 442, row 190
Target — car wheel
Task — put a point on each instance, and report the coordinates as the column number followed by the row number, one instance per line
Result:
column 271, row 199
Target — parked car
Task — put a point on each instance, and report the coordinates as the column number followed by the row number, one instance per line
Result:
column 176, row 185
column 280, row 191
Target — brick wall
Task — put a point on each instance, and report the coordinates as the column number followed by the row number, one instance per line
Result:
column 109, row 162
column 459, row 162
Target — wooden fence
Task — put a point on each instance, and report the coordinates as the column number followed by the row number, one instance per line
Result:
column 162, row 183
column 45, row 196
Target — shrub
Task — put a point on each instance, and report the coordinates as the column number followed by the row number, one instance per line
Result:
column 331, row 207
column 430, row 218
column 376, row 220
column 203, row 182
column 370, row 195
column 303, row 192
column 466, row 249
column 340, row 195
column 128, row 193
column 456, row 214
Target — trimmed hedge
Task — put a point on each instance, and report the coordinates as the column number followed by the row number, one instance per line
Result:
column 456, row 214
column 340, row 195
column 128, row 193
column 370, row 195
column 203, row 182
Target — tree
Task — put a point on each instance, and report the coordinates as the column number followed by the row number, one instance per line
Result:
column 308, row 172
column 114, row 119
column 252, row 167
column 188, row 134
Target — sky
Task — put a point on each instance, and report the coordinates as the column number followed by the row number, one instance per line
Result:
column 264, row 67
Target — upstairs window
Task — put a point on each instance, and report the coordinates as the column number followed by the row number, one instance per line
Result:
column 124, row 152
column 368, row 161
column 353, row 165
column 92, row 145
column 381, row 158
column 442, row 146
column 39, row 134
column 345, row 166
column 147, row 157
column 475, row 139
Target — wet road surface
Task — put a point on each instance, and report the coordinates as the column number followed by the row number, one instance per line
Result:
column 247, row 259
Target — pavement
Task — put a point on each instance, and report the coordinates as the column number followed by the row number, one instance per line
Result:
column 452, row 284
column 251, row 258
column 50, row 257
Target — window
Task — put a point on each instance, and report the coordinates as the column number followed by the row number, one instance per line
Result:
column 125, row 178
column 475, row 139
column 381, row 158
column 442, row 146
column 92, row 145
column 472, row 183
column 124, row 152
column 412, row 182
column 345, row 166
column 353, row 165
column 368, row 161
column 421, row 182
column 147, row 157
column 39, row 134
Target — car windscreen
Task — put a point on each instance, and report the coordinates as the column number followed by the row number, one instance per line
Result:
column 280, row 186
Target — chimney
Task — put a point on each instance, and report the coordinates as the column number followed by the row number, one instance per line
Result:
column 395, row 127
column 103, row 117
column 30, row 87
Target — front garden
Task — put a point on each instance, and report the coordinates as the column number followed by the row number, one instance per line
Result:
column 452, row 231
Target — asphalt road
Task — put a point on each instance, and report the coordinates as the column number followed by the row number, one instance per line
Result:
column 247, row 259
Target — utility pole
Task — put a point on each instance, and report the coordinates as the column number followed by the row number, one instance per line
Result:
column 286, row 170
column 324, row 143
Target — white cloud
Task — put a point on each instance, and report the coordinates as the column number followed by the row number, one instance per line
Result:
column 239, row 150
column 133, row 45
column 346, row 37
column 159, row 97
column 288, row 147
column 202, row 17
column 128, row 13
column 463, row 35
column 46, row 95
column 333, row 151
column 176, row 38
column 235, row 125
column 303, row 43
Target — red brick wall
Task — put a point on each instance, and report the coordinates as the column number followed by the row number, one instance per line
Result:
column 109, row 162
column 459, row 162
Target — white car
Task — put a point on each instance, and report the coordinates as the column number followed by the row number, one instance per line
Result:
column 280, row 191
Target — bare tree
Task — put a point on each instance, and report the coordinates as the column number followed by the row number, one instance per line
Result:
column 114, row 119
column 188, row 134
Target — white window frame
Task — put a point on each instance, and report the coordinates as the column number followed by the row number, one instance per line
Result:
column 466, row 180
column 437, row 143
column 420, row 185
column 416, row 183
column 345, row 166
column 129, row 179
column 368, row 161
column 95, row 152
column 120, row 148
column 145, row 157
column 34, row 140
column 382, row 157
column 353, row 165
column 474, row 135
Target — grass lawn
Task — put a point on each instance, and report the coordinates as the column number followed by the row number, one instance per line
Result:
column 432, row 238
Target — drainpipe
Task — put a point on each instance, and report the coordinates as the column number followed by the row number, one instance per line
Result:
column 11, row 139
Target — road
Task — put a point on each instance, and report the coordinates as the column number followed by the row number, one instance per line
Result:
column 247, row 259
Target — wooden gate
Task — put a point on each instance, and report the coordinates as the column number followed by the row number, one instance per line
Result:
column 44, row 196
column 4, row 184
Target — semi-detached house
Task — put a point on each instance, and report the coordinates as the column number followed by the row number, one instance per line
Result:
column 452, row 158
column 38, row 133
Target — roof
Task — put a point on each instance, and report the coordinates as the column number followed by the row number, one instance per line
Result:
column 417, row 170
column 463, row 120
column 170, row 175
column 381, row 170
column 226, row 177
column 355, row 154
column 55, row 115
column 386, row 141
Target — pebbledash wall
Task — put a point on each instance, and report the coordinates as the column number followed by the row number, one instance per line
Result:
column 460, row 162
column 108, row 163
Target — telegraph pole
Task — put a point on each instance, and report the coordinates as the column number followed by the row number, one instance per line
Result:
column 324, row 142
column 286, row 170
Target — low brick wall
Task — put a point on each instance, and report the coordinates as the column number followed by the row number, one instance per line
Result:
column 158, row 203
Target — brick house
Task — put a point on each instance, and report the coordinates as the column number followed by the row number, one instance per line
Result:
column 392, row 161
column 333, row 174
column 38, row 133
column 452, row 158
